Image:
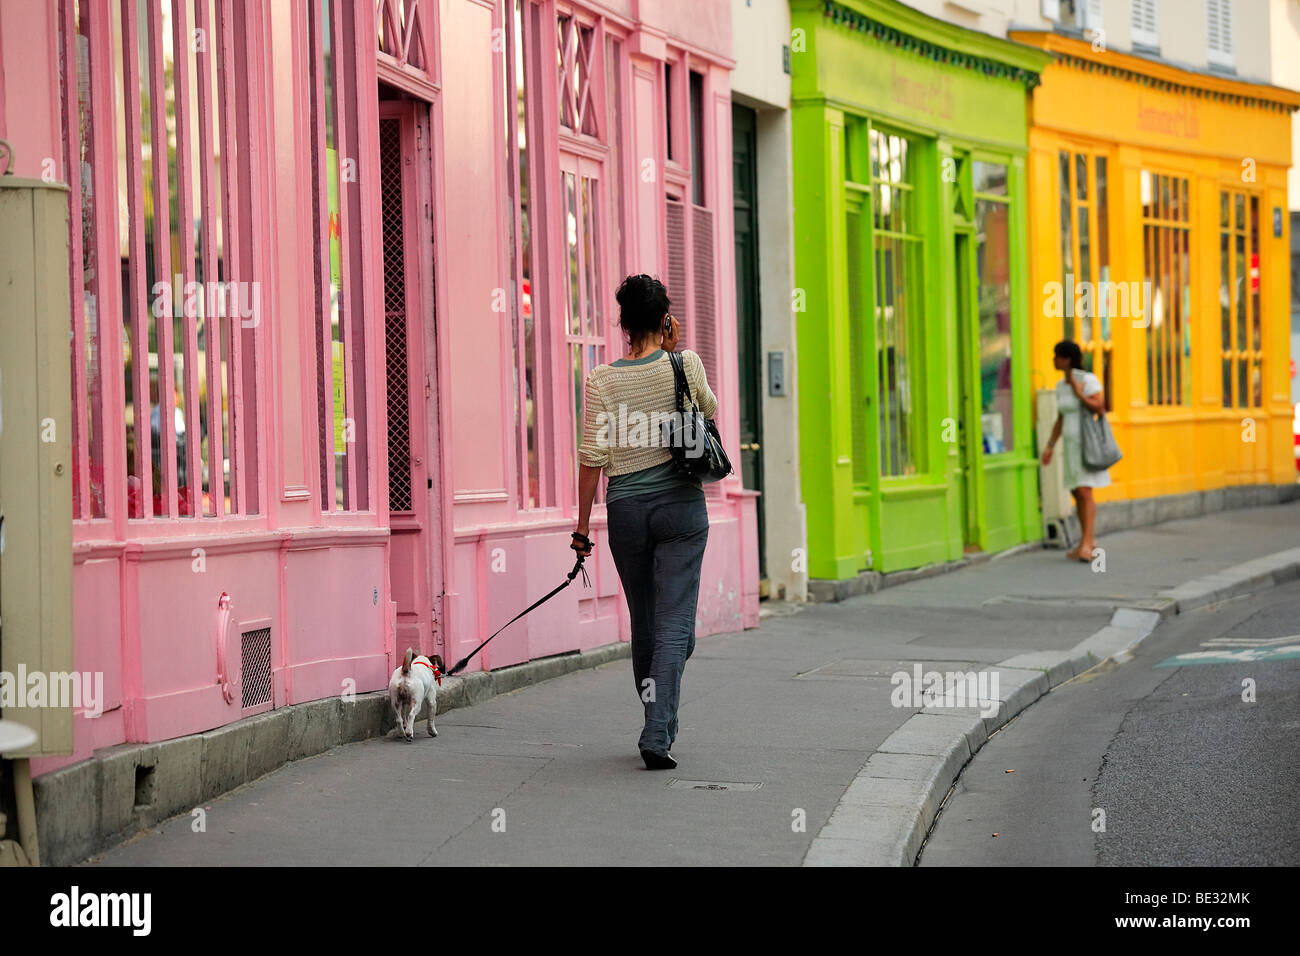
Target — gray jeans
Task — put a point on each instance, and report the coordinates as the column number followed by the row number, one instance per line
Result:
column 657, row 541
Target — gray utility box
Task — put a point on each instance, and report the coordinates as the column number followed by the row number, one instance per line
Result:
column 35, row 451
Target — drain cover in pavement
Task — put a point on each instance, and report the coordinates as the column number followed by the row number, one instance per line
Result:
column 676, row 784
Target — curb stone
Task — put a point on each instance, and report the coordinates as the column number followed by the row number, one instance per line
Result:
column 885, row 814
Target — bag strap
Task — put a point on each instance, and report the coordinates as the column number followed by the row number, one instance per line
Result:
column 684, row 395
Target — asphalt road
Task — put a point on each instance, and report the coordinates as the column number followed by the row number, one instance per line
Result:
column 1162, row 750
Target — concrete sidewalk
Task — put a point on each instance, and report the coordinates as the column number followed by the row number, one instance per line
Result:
column 776, row 724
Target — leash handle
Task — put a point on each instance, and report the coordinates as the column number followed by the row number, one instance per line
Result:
column 578, row 566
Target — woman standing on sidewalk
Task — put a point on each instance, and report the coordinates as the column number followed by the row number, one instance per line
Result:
column 658, row 522
column 1079, row 389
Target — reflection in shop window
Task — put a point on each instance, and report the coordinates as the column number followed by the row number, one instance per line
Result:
column 1241, row 336
column 898, row 283
column 1166, row 259
column 171, row 146
column 994, row 272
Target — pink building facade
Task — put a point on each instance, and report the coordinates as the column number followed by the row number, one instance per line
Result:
column 338, row 272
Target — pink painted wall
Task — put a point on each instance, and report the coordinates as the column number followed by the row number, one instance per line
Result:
column 324, row 583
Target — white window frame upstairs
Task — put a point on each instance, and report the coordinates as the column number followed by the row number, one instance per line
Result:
column 1219, row 45
column 1144, row 23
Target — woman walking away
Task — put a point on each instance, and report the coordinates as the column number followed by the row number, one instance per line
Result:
column 1079, row 390
column 658, row 522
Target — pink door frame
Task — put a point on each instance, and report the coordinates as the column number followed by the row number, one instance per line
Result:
column 417, row 564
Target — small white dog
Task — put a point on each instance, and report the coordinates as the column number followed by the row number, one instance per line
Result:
column 413, row 683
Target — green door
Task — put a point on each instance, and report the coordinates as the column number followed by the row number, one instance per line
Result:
column 744, row 179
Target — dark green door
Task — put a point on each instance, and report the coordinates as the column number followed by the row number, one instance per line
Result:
column 744, row 178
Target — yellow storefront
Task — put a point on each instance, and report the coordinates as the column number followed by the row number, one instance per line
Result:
column 1159, row 242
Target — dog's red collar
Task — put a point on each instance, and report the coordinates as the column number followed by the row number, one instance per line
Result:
column 437, row 674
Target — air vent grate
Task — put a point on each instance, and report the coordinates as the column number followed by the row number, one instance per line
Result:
column 255, row 661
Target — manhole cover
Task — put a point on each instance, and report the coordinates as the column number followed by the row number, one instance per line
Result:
column 675, row 784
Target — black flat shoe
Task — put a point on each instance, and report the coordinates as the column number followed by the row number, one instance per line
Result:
column 654, row 761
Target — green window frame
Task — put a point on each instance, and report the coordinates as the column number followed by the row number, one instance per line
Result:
column 886, row 300
column 993, row 223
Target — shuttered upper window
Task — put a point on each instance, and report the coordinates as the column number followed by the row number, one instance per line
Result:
column 1218, row 34
column 689, row 226
column 1143, row 24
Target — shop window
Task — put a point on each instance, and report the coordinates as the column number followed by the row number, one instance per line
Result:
column 697, row 138
column 993, row 264
column 885, row 275
column 1241, row 334
column 1219, row 35
column 897, row 248
column 585, row 212
column 82, row 150
column 1166, row 257
column 161, row 125
column 585, row 293
column 341, row 386
column 670, row 99
column 532, row 379
column 1090, row 300
column 858, row 283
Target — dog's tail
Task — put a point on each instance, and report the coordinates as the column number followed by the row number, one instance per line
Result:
column 406, row 664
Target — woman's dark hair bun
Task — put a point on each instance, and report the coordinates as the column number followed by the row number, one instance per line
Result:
column 1067, row 348
column 642, row 304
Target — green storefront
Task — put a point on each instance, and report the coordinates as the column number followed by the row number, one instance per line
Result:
column 915, row 404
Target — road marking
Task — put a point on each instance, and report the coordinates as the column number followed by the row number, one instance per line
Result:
column 1248, row 642
column 1239, row 650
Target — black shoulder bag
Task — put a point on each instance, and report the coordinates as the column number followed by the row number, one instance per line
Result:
column 693, row 439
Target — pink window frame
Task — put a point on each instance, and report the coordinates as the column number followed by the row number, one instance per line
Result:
column 538, row 113
column 548, row 210
column 417, row 33
column 245, row 121
column 357, row 318
column 578, row 148
column 546, row 140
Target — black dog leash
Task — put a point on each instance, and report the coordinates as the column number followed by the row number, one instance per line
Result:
column 461, row 664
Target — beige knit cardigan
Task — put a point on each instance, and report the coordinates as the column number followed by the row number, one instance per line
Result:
column 622, row 406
